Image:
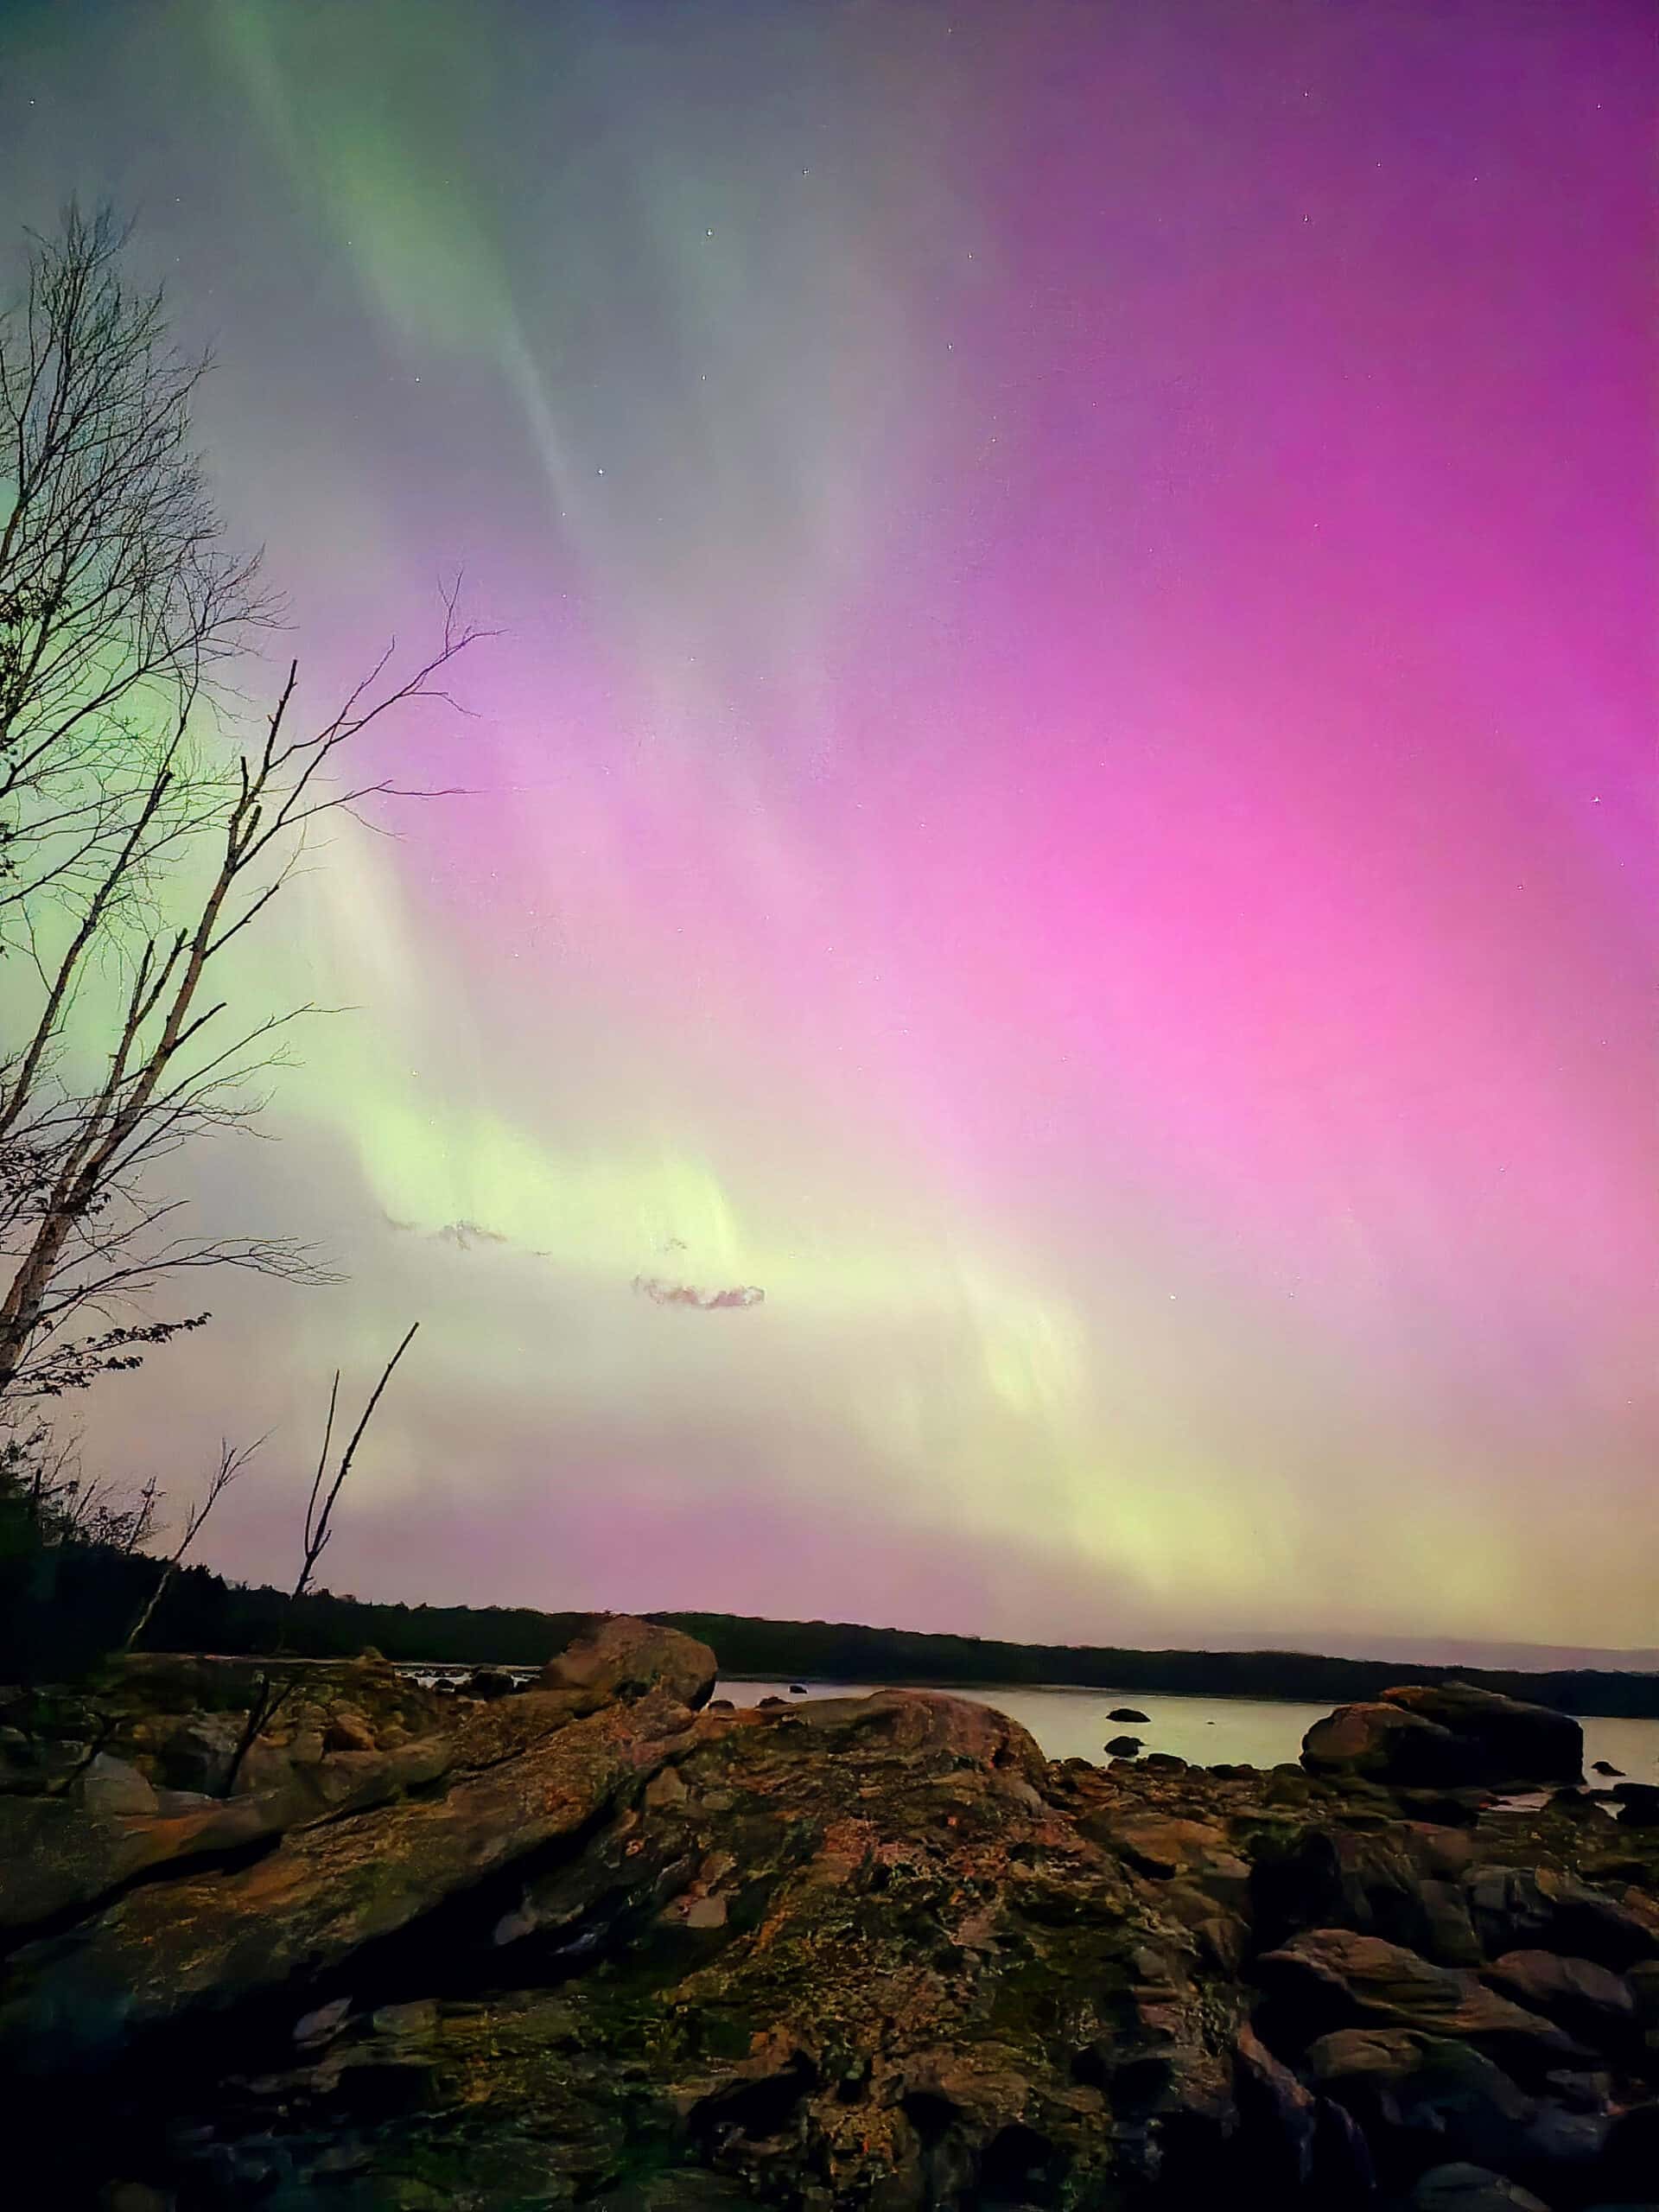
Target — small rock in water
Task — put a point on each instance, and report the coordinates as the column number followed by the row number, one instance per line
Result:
column 490, row 1682
column 1605, row 1766
column 1126, row 1713
column 798, row 1689
column 1123, row 1747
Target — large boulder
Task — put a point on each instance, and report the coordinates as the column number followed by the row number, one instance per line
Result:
column 923, row 1727
column 1397, row 1883
column 1516, row 1908
column 345, row 1740
column 1589, row 2000
column 1379, row 1743
column 208, row 1942
column 849, row 1950
column 1330, row 1977
column 619, row 1657
column 60, row 1855
column 1449, row 1734
column 1500, row 1739
column 1421, row 2096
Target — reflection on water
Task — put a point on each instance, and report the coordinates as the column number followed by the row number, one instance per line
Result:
column 1205, row 1731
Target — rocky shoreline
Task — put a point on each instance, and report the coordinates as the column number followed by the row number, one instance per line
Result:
column 600, row 1942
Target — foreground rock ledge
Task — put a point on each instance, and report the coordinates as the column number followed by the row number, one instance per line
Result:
column 598, row 1943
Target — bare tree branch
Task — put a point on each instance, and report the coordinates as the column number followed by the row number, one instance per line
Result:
column 138, row 838
column 231, row 1461
column 269, row 1694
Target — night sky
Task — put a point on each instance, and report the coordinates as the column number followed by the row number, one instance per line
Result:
column 1067, row 791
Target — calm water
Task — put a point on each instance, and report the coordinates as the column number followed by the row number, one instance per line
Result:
column 1207, row 1731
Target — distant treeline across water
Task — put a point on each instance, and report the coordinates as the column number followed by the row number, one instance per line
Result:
column 842, row 1651
column 59, row 1609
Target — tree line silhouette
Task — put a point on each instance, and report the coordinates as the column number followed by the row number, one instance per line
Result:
column 62, row 1608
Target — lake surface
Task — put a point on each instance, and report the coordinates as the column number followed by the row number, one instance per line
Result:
column 1204, row 1731
column 1073, row 1724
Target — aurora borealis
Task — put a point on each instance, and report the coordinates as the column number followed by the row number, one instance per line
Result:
column 1065, row 789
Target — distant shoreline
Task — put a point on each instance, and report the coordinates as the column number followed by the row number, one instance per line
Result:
column 88, row 1597
column 755, row 1649
column 876, row 1678
column 1014, row 1689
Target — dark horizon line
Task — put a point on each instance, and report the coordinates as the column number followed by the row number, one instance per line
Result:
column 1562, row 1654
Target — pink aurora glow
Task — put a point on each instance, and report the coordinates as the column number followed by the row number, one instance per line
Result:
column 1112, row 749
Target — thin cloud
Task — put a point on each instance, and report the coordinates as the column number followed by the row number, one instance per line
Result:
column 705, row 1301
column 463, row 1235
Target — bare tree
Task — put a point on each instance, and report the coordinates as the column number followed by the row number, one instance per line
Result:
column 231, row 1460
column 269, row 1692
column 139, row 835
column 117, row 599
column 45, row 1490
